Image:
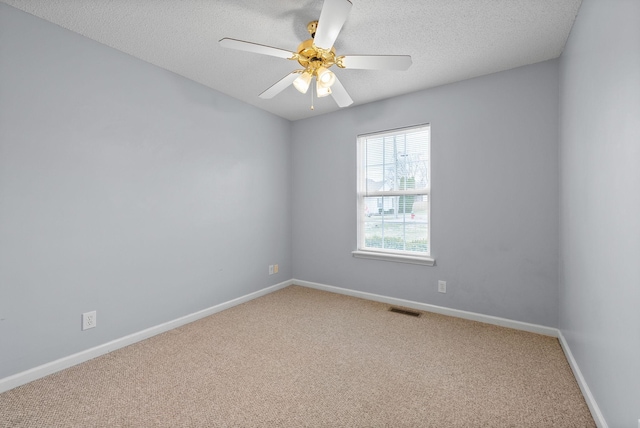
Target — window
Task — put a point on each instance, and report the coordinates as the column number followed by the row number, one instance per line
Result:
column 394, row 195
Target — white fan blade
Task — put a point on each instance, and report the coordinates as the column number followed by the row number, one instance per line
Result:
column 280, row 85
column 340, row 94
column 377, row 62
column 255, row 48
column 332, row 17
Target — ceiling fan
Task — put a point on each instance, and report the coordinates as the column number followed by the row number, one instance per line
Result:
column 316, row 55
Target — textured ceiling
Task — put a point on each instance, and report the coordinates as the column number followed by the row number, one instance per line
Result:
column 449, row 40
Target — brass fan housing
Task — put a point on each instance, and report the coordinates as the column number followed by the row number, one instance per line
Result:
column 312, row 57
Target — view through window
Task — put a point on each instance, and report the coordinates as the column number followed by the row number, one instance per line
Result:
column 393, row 191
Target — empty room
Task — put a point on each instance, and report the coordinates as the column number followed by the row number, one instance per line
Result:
column 322, row 213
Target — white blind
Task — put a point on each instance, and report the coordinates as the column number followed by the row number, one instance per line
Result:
column 396, row 163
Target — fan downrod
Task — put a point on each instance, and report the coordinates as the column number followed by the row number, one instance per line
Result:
column 312, row 27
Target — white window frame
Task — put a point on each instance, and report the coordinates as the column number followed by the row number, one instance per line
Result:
column 401, row 256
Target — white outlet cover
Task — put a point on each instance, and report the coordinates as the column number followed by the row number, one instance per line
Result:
column 89, row 320
column 270, row 269
column 442, row 286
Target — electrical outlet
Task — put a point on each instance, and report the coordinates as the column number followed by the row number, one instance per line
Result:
column 442, row 286
column 275, row 268
column 88, row 320
column 270, row 269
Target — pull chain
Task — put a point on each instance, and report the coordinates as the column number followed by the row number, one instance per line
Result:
column 312, row 87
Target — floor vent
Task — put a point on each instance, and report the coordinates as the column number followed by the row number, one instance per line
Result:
column 404, row 312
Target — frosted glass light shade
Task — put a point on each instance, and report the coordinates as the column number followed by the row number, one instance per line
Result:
column 321, row 90
column 325, row 77
column 302, row 82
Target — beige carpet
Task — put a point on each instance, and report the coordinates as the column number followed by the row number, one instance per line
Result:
column 306, row 358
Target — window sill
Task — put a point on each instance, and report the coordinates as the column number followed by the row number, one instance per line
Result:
column 415, row 260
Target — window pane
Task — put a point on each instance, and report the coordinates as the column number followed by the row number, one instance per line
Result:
column 387, row 227
column 417, row 226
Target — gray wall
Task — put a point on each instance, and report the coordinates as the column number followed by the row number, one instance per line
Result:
column 600, row 203
column 494, row 196
column 125, row 189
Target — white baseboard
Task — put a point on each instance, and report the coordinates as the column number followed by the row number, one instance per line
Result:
column 582, row 383
column 38, row 372
column 488, row 319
